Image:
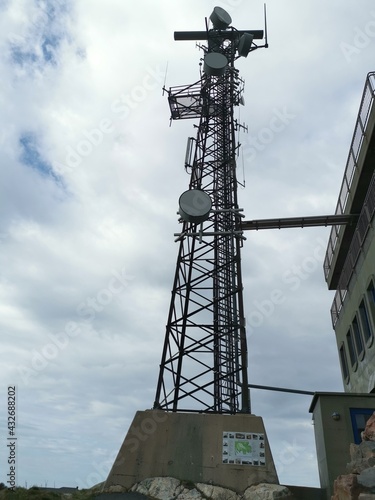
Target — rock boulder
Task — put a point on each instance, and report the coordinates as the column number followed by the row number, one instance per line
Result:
column 265, row 491
column 369, row 433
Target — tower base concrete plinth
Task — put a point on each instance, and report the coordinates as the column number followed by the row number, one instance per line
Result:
column 231, row 451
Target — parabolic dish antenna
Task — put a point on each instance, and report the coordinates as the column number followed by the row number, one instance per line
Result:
column 215, row 64
column 220, row 18
column 195, row 206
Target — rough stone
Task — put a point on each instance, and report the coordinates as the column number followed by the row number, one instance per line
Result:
column 367, row 479
column 367, row 449
column 116, row 488
column 189, row 495
column 357, row 466
column 169, row 488
column 267, row 492
column 362, row 457
column 161, row 488
column 346, row 487
column 369, row 433
column 216, row 492
column 355, row 452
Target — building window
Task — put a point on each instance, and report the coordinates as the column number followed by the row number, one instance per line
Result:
column 351, row 349
column 365, row 323
column 344, row 364
column 370, row 295
column 358, row 337
column 359, row 417
column 371, row 291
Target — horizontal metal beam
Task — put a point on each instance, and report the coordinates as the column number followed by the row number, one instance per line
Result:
column 281, row 389
column 318, row 220
column 227, row 35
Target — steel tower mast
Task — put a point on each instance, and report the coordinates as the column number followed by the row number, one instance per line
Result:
column 204, row 359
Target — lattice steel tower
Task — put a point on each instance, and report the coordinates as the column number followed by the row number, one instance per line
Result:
column 204, row 360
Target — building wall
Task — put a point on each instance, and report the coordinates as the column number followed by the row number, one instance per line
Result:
column 333, row 437
column 360, row 376
column 350, row 260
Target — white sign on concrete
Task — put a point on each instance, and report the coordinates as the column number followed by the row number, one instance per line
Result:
column 243, row 448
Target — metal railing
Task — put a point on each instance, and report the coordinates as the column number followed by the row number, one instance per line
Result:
column 363, row 226
column 352, row 166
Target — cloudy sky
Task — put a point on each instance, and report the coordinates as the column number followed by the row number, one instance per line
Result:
column 91, row 173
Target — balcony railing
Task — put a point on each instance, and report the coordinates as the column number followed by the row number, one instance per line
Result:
column 363, row 226
column 352, row 166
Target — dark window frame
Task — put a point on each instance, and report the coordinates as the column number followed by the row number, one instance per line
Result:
column 357, row 412
column 351, row 349
column 368, row 333
column 344, row 363
column 370, row 300
column 358, row 337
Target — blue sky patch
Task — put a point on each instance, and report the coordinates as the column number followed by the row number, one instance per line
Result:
column 49, row 46
column 45, row 32
column 22, row 57
column 31, row 157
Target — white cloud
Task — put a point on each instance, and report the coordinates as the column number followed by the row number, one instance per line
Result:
column 98, row 118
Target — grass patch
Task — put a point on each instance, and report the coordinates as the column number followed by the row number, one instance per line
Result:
column 36, row 493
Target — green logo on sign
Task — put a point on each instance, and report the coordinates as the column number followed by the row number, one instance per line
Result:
column 242, row 447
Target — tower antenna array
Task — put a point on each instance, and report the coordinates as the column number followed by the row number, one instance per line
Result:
column 204, row 359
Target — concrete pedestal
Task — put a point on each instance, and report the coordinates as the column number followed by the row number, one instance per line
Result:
column 231, row 451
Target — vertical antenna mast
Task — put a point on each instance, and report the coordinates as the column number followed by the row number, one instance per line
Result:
column 265, row 26
column 204, row 359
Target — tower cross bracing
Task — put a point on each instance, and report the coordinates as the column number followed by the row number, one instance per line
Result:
column 204, row 358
